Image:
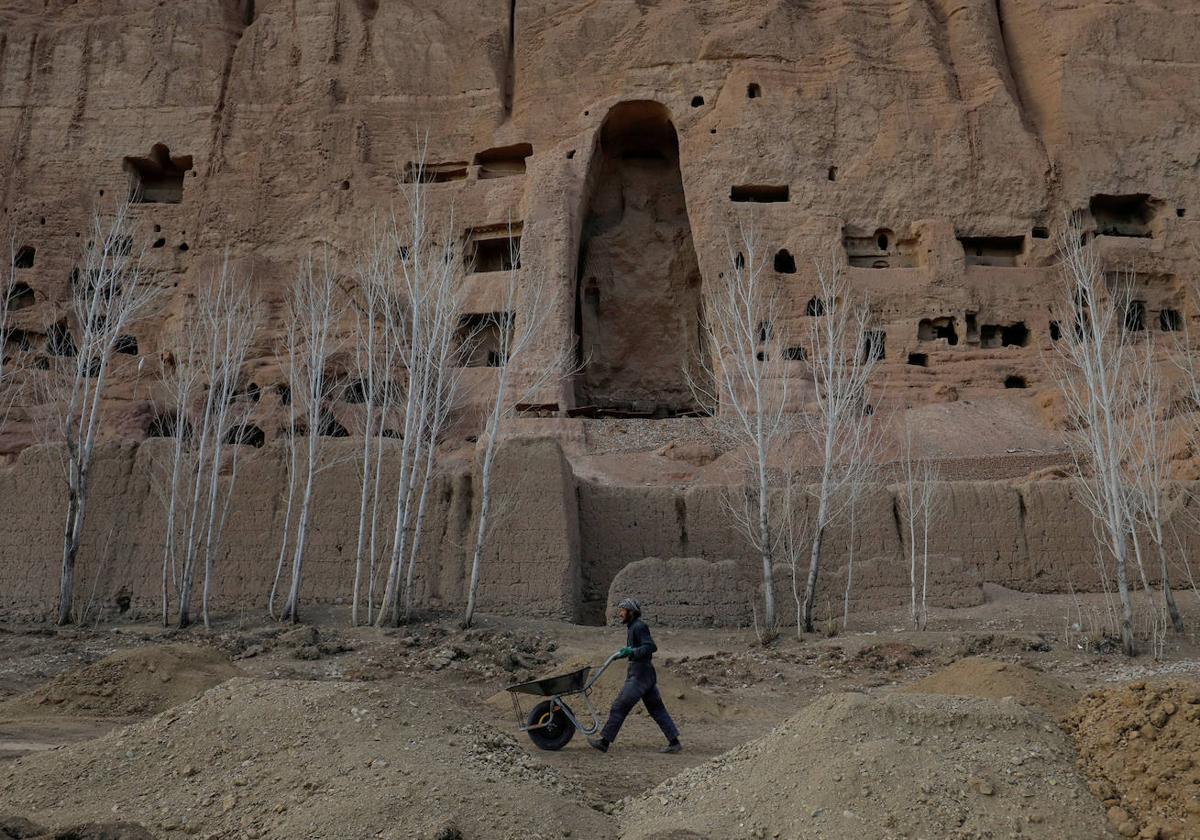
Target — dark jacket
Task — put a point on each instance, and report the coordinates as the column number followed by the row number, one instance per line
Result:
column 637, row 636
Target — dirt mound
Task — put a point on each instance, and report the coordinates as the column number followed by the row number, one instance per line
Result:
column 1140, row 746
column 295, row 758
column 130, row 683
column 995, row 680
column 854, row 766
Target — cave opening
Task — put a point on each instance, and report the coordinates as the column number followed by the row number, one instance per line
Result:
column 636, row 255
column 1124, row 215
column 157, row 178
column 503, row 161
column 993, row 251
column 934, row 329
column 1170, row 320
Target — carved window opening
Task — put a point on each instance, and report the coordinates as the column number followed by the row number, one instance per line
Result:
column 935, row 329
column 493, row 249
column 158, row 177
column 993, row 251
column 1124, row 215
column 503, row 161
column 760, row 193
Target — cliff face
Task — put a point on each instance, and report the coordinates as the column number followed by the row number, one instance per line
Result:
column 935, row 143
column 933, row 147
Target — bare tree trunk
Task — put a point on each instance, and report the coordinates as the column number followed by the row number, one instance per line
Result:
column 291, row 609
column 418, row 527
column 925, row 511
column 1168, row 595
column 814, row 561
column 770, row 620
column 364, row 505
column 485, row 497
column 1137, row 556
column 70, row 552
column 849, row 564
column 287, row 523
column 376, row 496
column 1128, row 645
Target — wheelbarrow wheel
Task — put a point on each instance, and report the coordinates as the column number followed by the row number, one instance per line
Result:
column 551, row 729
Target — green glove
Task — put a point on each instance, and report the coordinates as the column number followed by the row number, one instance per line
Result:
column 624, row 653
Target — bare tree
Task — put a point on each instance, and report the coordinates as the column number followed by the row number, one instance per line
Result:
column 866, row 477
column 202, row 379
column 108, row 295
column 916, row 509
column 843, row 355
column 426, row 330
column 377, row 350
column 315, row 309
column 442, row 374
column 794, row 541
column 511, row 335
column 1094, row 371
column 744, row 377
column 181, row 379
column 1149, row 467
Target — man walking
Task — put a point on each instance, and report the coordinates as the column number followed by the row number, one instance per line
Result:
column 641, row 682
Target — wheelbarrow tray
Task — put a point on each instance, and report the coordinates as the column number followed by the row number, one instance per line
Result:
column 550, row 686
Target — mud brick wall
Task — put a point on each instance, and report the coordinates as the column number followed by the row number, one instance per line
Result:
column 559, row 545
column 531, row 566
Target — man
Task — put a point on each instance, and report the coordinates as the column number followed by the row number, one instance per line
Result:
column 641, row 683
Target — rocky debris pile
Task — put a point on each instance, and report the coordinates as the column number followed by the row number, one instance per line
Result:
column 1140, row 746
column 33, row 654
column 739, row 670
column 852, row 766
column 976, row 644
column 613, row 435
column 302, row 758
column 304, row 642
column 18, row 828
column 981, row 677
column 889, row 656
column 499, row 757
column 130, row 683
column 491, row 654
column 477, row 653
column 734, row 671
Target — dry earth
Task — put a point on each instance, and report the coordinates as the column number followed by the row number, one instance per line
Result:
column 261, row 730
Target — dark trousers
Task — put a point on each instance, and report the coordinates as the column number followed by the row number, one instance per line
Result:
column 643, row 687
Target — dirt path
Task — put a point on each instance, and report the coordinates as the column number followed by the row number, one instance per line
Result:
column 330, row 731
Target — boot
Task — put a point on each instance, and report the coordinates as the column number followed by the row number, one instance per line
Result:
column 673, row 746
column 599, row 743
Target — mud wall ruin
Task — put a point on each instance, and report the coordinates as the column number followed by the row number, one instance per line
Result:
column 563, row 544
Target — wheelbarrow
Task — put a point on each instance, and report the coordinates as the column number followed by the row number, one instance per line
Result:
column 551, row 724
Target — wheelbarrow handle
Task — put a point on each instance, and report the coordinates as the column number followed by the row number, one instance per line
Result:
column 600, row 670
